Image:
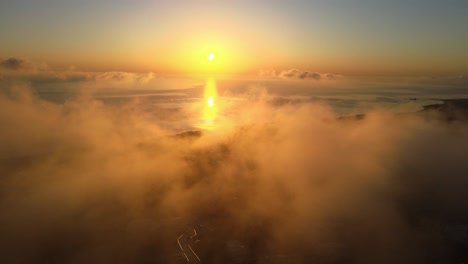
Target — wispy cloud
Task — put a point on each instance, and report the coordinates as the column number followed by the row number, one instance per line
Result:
column 299, row 74
column 124, row 77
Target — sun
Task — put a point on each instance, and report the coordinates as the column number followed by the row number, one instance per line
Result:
column 210, row 56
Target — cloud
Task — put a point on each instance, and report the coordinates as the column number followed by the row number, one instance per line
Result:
column 299, row 74
column 295, row 73
column 41, row 77
column 86, row 182
column 15, row 64
column 125, row 77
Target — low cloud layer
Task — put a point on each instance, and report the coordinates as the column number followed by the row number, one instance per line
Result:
column 17, row 69
column 299, row 75
column 45, row 80
column 125, row 77
column 85, row 182
column 12, row 63
column 17, row 64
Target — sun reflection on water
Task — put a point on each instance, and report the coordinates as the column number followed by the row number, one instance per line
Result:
column 210, row 107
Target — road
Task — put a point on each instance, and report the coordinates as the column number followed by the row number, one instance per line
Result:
column 185, row 242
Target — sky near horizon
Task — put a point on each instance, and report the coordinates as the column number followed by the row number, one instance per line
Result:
column 352, row 37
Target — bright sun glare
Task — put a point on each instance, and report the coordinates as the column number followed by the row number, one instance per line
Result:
column 210, row 56
column 210, row 101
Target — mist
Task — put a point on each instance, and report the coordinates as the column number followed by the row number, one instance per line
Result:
column 87, row 182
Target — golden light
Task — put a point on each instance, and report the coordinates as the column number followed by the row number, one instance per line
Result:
column 210, row 109
column 210, row 56
column 210, row 101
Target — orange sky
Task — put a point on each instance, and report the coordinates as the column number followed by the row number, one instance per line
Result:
column 356, row 37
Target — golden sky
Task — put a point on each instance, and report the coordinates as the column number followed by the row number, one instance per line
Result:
column 357, row 37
